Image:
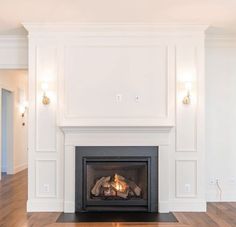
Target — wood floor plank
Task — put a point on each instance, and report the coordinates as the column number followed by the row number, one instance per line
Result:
column 13, row 197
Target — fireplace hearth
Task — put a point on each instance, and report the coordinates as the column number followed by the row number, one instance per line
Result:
column 116, row 179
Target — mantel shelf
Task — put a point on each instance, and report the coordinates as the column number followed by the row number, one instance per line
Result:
column 74, row 129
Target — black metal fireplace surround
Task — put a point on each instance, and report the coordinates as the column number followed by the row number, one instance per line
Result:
column 116, row 179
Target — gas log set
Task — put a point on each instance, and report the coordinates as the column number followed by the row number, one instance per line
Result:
column 115, row 187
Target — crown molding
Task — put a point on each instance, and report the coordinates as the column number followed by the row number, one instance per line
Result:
column 114, row 27
column 13, row 41
column 220, row 40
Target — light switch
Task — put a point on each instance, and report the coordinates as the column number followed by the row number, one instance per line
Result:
column 46, row 188
column 119, row 97
column 137, row 98
column 187, row 188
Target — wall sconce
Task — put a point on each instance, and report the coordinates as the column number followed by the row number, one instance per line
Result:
column 188, row 88
column 45, row 99
column 22, row 109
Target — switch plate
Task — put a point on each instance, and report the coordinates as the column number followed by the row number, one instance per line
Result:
column 137, row 98
column 118, row 97
column 46, row 188
column 187, row 188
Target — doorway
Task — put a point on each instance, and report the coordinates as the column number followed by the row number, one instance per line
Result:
column 6, row 132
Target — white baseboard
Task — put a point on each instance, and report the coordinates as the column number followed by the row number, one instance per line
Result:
column 45, row 205
column 188, row 206
column 51, row 205
column 20, row 167
column 227, row 196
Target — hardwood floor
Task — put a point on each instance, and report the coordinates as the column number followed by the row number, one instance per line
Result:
column 13, row 196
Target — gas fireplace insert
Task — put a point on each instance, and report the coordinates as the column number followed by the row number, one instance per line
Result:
column 116, row 179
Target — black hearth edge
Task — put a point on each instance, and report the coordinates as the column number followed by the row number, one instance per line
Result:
column 115, row 217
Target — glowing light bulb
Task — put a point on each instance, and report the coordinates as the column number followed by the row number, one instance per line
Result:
column 44, row 86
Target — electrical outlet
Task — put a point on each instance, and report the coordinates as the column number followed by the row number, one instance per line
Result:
column 212, row 181
column 46, row 188
column 187, row 188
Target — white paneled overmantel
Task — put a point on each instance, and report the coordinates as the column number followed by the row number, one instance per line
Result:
column 116, row 84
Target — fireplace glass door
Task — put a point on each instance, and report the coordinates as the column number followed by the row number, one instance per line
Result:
column 116, row 178
column 116, row 182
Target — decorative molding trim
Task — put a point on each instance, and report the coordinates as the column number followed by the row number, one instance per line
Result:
column 40, row 106
column 188, row 206
column 16, row 50
column 194, row 195
column 76, row 129
column 179, row 105
column 46, row 205
column 38, row 194
column 125, row 28
column 167, row 116
column 220, row 40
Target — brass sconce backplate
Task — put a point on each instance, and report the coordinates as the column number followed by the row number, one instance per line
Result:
column 45, row 100
column 186, row 100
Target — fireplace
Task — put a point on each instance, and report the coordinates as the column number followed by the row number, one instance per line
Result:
column 116, row 179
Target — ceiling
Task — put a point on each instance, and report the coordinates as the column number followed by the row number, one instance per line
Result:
column 219, row 14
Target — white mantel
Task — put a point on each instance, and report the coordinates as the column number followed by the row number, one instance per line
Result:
column 88, row 68
column 113, row 136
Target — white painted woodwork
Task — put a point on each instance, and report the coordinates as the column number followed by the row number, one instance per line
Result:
column 116, row 85
column 46, row 181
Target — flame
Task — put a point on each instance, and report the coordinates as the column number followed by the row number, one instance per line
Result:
column 118, row 186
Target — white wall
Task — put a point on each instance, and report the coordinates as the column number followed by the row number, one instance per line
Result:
column 221, row 118
column 12, row 80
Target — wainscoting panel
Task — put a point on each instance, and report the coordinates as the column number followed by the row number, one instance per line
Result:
column 46, row 178
column 186, row 178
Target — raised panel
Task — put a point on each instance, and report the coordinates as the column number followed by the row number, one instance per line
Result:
column 186, row 130
column 116, row 82
column 186, row 178
column 46, row 178
column 46, row 114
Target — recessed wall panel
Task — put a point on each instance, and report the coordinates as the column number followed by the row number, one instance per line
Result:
column 46, row 178
column 186, row 72
column 186, row 178
column 119, row 81
column 46, row 114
